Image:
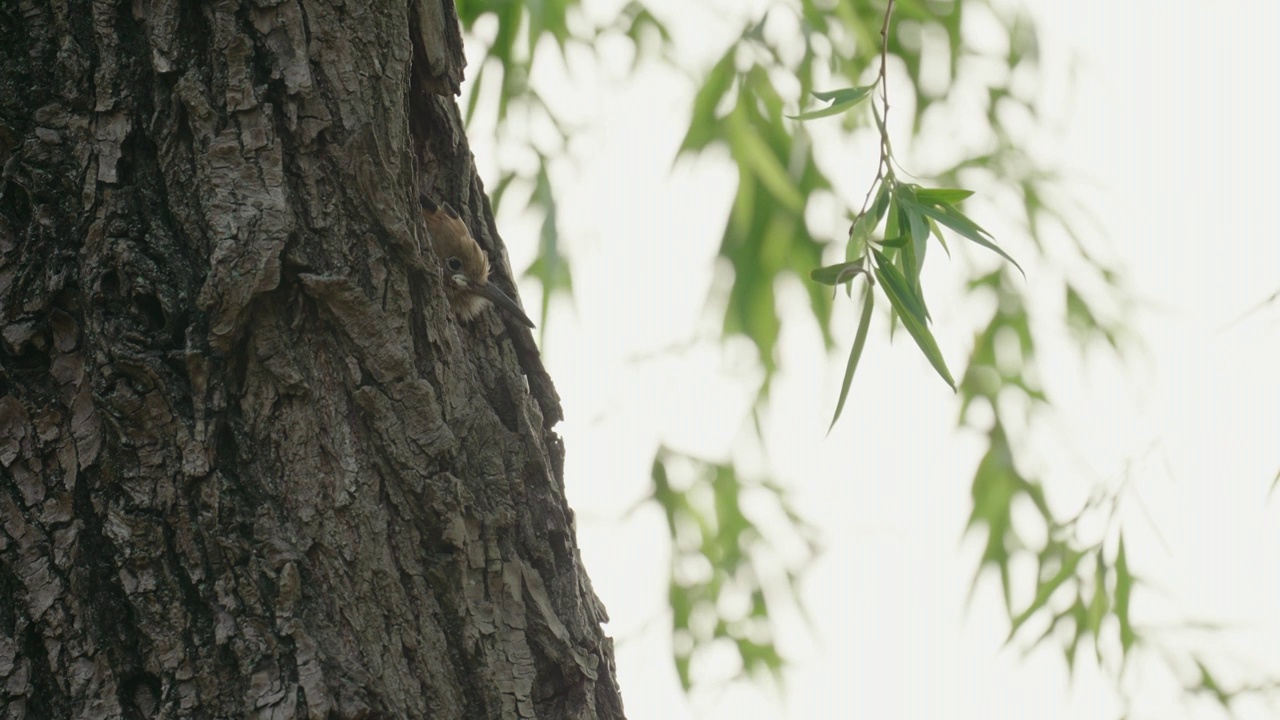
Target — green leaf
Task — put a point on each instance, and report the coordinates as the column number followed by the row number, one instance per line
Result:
column 640, row 20
column 959, row 222
column 937, row 232
column 1069, row 559
column 855, row 353
column 859, row 234
column 754, row 154
column 802, row 256
column 881, row 203
column 838, row 273
column 1078, row 615
column 843, row 94
column 865, row 224
column 919, row 228
column 662, row 491
column 910, row 309
column 746, row 244
column 551, row 268
column 476, row 84
column 841, row 101
column 941, row 196
column 703, row 124
column 1100, row 603
column 1211, row 685
column 995, row 484
column 896, row 285
column 758, row 656
column 1124, row 591
column 500, row 190
column 892, row 226
column 895, row 242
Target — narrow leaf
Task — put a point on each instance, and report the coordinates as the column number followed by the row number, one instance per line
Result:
column 1124, row 591
column 1100, row 603
column 855, row 353
column 703, row 124
column 865, row 224
column 836, row 274
column 476, row 84
column 881, row 202
column 936, row 196
column 956, row 220
column 842, row 100
column 901, row 298
column 1208, row 683
column 892, row 228
column 842, row 94
column 937, row 232
column 894, row 280
column 919, row 228
column 754, row 154
column 1046, row 588
column 859, row 234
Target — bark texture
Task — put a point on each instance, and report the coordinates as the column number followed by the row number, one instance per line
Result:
column 250, row 464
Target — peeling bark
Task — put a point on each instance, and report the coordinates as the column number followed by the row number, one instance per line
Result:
column 250, row 464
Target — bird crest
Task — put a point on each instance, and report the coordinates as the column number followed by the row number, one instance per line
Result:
column 464, row 263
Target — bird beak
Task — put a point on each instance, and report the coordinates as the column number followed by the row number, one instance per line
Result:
column 491, row 292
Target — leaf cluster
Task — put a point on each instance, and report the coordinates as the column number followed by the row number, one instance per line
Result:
column 720, row 562
column 746, row 103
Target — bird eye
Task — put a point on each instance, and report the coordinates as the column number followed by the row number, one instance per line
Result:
column 454, row 264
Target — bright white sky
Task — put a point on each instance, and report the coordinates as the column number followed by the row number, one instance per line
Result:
column 1173, row 125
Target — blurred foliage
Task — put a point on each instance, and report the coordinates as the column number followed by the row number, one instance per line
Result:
column 719, row 560
column 749, row 102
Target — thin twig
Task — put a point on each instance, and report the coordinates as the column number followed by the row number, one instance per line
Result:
column 885, row 151
column 882, row 118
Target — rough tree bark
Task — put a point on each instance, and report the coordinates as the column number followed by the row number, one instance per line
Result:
column 251, row 464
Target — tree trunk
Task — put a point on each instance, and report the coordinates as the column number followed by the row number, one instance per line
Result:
column 252, row 465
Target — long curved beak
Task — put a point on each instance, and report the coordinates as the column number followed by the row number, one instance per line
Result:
column 491, row 292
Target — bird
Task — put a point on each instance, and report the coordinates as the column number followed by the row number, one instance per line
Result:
column 464, row 264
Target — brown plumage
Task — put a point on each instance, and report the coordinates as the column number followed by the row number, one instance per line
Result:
column 464, row 264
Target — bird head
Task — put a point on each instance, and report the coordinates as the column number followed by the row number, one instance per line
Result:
column 464, row 264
